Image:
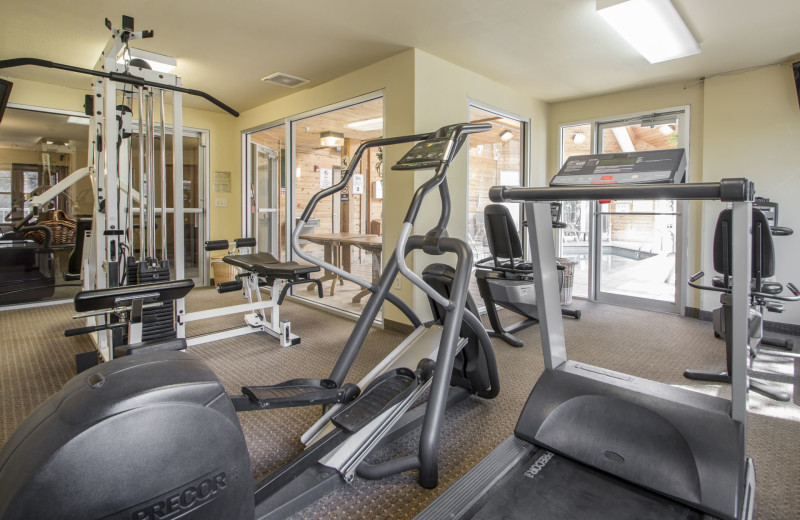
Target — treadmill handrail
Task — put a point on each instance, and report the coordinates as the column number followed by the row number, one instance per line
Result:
column 726, row 190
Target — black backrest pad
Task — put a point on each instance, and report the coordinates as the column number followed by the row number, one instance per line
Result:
column 761, row 240
column 501, row 232
column 99, row 299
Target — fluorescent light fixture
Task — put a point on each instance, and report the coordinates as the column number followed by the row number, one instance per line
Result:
column 579, row 138
column 506, row 135
column 367, row 125
column 77, row 120
column 157, row 62
column 333, row 139
column 653, row 27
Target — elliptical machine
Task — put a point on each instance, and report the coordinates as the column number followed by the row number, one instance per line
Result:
column 156, row 436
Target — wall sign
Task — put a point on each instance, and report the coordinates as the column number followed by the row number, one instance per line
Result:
column 325, row 178
column 358, row 184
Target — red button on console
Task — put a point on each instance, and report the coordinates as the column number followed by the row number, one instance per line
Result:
column 606, row 177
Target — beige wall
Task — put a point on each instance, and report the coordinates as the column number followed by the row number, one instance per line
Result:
column 752, row 130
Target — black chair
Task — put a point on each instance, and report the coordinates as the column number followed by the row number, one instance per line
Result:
column 505, row 279
column 763, row 294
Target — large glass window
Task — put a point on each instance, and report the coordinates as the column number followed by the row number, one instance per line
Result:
column 345, row 230
column 495, row 157
column 574, row 245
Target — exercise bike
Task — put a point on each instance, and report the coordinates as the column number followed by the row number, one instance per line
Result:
column 156, row 436
column 505, row 279
column 763, row 295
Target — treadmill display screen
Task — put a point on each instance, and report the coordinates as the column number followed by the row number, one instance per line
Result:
column 647, row 167
column 616, row 161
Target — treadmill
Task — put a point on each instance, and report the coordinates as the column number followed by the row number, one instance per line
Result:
column 595, row 443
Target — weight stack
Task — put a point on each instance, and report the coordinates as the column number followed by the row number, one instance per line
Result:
column 159, row 322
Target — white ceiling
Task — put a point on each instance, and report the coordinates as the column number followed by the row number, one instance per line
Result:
column 552, row 49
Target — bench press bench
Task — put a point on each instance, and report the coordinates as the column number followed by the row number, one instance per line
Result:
column 255, row 270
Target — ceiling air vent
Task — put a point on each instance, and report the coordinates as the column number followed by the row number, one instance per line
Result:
column 284, row 80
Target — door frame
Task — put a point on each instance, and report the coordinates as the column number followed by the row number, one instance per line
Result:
column 678, row 306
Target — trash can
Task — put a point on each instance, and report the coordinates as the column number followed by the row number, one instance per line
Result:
column 569, row 274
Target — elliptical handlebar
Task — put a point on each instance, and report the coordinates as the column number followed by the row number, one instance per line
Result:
column 455, row 135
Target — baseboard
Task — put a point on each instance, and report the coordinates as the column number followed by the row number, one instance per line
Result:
column 769, row 326
column 396, row 326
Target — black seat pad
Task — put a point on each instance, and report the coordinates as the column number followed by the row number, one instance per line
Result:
column 264, row 264
column 771, row 288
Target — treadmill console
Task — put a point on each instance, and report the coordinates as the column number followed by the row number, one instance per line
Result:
column 649, row 167
column 428, row 153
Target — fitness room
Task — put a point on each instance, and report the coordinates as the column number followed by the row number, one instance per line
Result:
column 302, row 260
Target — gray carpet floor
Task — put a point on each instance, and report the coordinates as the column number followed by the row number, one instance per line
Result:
column 36, row 360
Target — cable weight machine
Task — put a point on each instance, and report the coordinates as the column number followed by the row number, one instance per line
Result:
column 122, row 247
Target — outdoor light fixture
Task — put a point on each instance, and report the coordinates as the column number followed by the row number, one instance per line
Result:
column 579, row 138
column 506, row 136
column 653, row 27
column 367, row 125
column 157, row 62
column 332, row 139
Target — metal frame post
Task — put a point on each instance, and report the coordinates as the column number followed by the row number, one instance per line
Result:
column 742, row 222
column 545, row 273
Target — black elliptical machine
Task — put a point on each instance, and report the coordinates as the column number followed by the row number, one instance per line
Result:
column 156, row 436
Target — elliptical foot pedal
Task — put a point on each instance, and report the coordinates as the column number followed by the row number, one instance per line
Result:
column 385, row 391
column 299, row 392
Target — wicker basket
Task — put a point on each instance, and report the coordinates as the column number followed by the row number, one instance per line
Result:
column 222, row 272
column 61, row 226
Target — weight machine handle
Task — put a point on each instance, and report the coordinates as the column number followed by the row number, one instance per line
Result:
column 114, row 76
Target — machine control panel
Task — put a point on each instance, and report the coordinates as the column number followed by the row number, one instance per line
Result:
column 425, row 154
column 646, row 167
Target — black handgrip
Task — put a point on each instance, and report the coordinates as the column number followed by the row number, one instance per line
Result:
column 216, row 245
column 94, row 328
column 780, row 231
column 244, row 242
column 225, row 287
column 696, row 276
column 792, row 287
